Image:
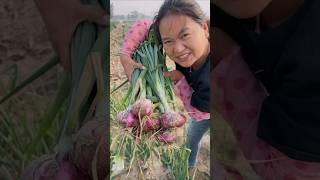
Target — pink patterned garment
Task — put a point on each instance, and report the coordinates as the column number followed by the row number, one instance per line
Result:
column 137, row 34
column 184, row 92
column 238, row 97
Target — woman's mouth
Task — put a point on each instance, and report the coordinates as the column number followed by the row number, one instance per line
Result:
column 184, row 57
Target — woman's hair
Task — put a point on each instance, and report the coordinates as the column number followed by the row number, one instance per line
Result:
column 188, row 8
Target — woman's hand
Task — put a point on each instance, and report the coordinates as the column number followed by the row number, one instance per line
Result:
column 62, row 17
column 129, row 65
column 175, row 75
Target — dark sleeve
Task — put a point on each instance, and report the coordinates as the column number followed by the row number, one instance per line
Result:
column 201, row 98
column 199, row 82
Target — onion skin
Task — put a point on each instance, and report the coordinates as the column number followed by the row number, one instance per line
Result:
column 182, row 120
column 151, row 125
column 132, row 120
column 142, row 107
column 172, row 119
column 85, row 145
column 43, row 168
column 167, row 136
column 127, row 119
column 121, row 117
column 47, row 167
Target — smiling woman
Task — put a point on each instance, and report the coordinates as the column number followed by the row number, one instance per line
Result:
column 185, row 41
column 181, row 26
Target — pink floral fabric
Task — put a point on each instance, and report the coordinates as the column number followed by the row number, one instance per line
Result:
column 137, row 34
column 238, row 96
column 184, row 92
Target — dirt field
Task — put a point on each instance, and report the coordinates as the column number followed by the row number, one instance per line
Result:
column 23, row 38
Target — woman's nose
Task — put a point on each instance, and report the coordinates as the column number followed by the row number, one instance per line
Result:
column 178, row 47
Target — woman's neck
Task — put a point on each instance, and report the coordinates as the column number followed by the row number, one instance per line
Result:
column 278, row 11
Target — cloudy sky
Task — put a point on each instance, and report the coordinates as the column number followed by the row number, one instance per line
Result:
column 148, row 7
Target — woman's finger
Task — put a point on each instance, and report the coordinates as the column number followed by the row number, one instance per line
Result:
column 167, row 74
column 138, row 65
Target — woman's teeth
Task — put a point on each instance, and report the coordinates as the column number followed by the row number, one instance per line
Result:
column 184, row 56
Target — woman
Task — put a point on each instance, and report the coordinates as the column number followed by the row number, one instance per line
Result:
column 278, row 41
column 181, row 27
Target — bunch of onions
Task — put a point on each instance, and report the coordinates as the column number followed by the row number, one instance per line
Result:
column 149, row 54
column 140, row 108
column 150, row 93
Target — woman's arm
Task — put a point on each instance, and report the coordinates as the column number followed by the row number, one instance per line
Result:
column 136, row 34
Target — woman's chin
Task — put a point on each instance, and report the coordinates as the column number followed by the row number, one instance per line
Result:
column 185, row 65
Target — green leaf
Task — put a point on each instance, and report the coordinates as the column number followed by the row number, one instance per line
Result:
column 48, row 119
column 36, row 74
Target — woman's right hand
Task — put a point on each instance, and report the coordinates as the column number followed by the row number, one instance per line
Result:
column 129, row 65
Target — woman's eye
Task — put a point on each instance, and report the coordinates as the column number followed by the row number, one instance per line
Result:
column 167, row 42
column 185, row 35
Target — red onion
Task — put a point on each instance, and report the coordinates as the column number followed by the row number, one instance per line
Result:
column 127, row 119
column 167, row 136
column 151, row 124
column 172, row 119
column 47, row 167
column 142, row 106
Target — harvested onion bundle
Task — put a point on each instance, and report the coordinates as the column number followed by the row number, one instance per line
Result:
column 151, row 101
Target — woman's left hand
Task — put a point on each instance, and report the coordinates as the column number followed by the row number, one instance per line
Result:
column 175, row 75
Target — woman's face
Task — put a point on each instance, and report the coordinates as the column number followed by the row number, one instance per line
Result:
column 184, row 41
column 242, row 8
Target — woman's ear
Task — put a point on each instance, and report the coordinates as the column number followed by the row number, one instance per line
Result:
column 205, row 27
